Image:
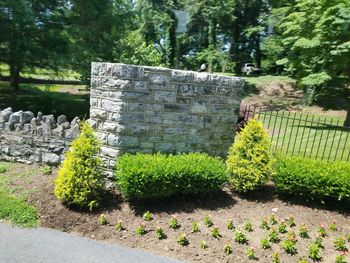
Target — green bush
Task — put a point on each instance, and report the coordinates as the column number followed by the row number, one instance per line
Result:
column 312, row 178
column 249, row 161
column 147, row 176
column 80, row 181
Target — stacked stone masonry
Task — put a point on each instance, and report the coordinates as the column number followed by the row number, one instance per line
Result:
column 149, row 109
column 41, row 139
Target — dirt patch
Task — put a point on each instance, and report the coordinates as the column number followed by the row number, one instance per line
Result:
column 221, row 207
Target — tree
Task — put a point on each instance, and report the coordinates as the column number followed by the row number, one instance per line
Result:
column 317, row 35
column 33, row 34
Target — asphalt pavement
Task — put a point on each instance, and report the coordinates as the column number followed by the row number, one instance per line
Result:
column 42, row 245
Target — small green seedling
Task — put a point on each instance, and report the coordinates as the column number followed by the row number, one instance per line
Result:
column 273, row 220
column 322, row 230
column 303, row 231
column 250, row 253
column 265, row 243
column 215, row 233
column 119, row 226
column 340, row 258
column 248, row 226
column 182, row 240
column 276, row 257
column 208, row 221
column 140, row 230
column 173, row 223
column 282, row 228
column 160, row 233
column 289, row 246
column 264, row 224
column 291, row 221
column 103, row 220
column 230, row 225
column 240, row 237
column 273, row 236
column 147, row 216
column 333, row 226
column 227, row 249
column 314, row 252
column 340, row 244
column 195, row 227
column 203, row 245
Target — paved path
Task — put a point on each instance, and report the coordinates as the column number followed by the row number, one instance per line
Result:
column 42, row 245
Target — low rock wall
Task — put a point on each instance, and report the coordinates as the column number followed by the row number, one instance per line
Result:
column 25, row 137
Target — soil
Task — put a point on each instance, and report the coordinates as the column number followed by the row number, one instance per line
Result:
column 220, row 206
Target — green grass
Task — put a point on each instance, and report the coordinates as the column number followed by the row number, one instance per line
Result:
column 303, row 138
column 39, row 73
column 14, row 207
column 45, row 98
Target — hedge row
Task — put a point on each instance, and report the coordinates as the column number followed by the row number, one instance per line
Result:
column 147, row 176
column 312, row 178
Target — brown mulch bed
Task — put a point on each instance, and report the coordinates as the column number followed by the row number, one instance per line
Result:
column 221, row 207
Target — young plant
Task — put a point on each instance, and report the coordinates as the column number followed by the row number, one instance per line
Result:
column 140, row 230
column 333, row 226
column 264, row 224
column 203, row 244
column 147, row 216
column 182, row 240
column 119, row 226
column 291, row 221
column 275, row 257
column 289, row 246
column 230, row 225
column 322, row 230
column 273, row 220
column 248, row 226
column 47, row 170
column 173, row 223
column 160, row 233
column 340, row 244
column 348, row 238
column 215, row 232
column 303, row 231
column 273, row 236
column 227, row 249
column 282, row 228
column 318, row 241
column 314, row 252
column 291, row 236
column 265, row 243
column 250, row 253
column 208, row 221
column 340, row 258
column 303, row 260
column 103, row 220
column 240, row 237
column 195, row 227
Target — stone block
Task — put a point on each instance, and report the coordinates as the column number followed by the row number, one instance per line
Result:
column 164, row 147
column 133, row 129
column 116, row 84
column 50, row 158
column 181, row 76
column 114, row 106
column 165, row 96
column 140, row 85
column 128, row 117
column 122, row 141
column 199, row 106
column 98, row 113
column 108, row 151
column 157, row 78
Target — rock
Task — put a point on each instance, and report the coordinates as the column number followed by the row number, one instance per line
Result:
column 49, row 122
column 61, row 119
column 26, row 117
column 51, row 159
column 5, row 114
column 40, row 116
column 75, row 121
column 14, row 119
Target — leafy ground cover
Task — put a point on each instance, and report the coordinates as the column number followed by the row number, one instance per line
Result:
column 13, row 205
column 151, row 225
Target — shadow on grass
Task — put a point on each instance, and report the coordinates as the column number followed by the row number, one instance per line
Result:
column 184, row 203
column 48, row 101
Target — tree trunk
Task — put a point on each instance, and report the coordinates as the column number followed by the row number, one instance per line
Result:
column 171, row 46
column 257, row 52
column 14, row 77
column 234, row 49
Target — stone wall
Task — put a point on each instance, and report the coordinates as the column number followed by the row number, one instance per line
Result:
column 40, row 139
column 147, row 109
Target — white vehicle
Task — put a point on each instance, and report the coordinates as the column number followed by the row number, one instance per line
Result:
column 250, row 68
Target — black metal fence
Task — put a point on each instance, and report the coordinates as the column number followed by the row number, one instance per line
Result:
column 295, row 133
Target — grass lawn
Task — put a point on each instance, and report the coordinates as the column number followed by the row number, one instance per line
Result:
column 50, row 99
column 294, row 134
column 13, row 205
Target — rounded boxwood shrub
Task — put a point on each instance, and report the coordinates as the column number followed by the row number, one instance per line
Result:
column 151, row 176
column 312, row 178
column 80, row 181
column 249, row 161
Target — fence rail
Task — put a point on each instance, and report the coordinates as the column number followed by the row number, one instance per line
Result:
column 295, row 133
